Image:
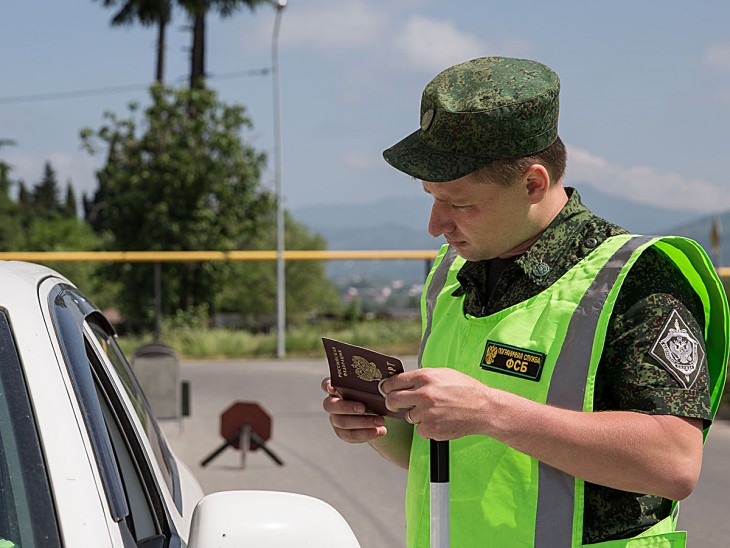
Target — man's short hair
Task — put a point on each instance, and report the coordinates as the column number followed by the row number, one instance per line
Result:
column 507, row 172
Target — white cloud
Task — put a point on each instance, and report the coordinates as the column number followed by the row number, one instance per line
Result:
column 322, row 25
column 717, row 57
column 345, row 23
column 645, row 185
column 716, row 60
column 639, row 184
column 431, row 45
column 379, row 31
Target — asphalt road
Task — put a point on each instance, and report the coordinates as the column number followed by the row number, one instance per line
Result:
column 365, row 489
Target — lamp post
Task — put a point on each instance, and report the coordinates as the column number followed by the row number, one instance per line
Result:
column 280, row 273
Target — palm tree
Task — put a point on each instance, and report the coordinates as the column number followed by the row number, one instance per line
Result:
column 147, row 12
column 197, row 10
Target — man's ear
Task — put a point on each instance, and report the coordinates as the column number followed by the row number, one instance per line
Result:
column 537, row 182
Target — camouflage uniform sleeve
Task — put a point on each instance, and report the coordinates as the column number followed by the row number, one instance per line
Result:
column 654, row 360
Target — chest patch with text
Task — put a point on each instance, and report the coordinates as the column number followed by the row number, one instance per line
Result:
column 510, row 360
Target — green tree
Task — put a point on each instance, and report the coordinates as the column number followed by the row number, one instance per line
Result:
column 10, row 227
column 159, row 13
column 69, row 209
column 176, row 182
column 250, row 286
column 46, row 203
column 38, row 222
column 71, row 234
column 179, row 182
column 25, row 206
column 146, row 12
column 197, row 11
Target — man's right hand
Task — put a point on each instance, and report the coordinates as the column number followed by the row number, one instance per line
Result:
column 348, row 417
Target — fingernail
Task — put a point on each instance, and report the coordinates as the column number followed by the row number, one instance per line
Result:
column 359, row 408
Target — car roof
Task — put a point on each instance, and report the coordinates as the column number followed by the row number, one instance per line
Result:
column 19, row 277
column 25, row 270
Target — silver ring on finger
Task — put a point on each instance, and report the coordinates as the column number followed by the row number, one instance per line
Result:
column 409, row 420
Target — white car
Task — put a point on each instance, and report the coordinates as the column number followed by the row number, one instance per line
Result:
column 83, row 462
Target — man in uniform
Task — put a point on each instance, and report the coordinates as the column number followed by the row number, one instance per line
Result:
column 576, row 367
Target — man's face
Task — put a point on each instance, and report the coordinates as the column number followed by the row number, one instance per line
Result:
column 480, row 220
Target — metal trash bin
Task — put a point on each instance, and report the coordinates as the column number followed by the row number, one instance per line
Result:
column 157, row 368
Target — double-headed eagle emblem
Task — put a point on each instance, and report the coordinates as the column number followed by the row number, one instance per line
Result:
column 365, row 370
column 678, row 350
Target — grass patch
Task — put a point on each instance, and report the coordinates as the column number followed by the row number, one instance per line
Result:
column 397, row 337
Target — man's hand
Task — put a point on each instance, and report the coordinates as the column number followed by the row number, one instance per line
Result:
column 348, row 418
column 444, row 403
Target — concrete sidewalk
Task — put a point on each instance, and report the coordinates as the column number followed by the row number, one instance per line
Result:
column 364, row 488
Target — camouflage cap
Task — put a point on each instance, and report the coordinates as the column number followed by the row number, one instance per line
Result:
column 485, row 109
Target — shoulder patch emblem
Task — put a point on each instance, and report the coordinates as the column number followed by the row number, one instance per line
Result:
column 679, row 351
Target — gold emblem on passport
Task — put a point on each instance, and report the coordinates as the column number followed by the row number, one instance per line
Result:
column 365, row 370
column 514, row 361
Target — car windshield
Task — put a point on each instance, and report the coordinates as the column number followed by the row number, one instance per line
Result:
column 27, row 516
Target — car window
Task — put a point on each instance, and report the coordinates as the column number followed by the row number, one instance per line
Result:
column 110, row 347
column 160, row 449
column 27, row 515
column 69, row 310
column 149, row 520
column 142, row 520
column 130, row 486
column 67, row 314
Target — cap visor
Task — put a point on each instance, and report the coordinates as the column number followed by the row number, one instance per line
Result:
column 413, row 157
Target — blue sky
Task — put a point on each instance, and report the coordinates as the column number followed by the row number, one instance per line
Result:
column 645, row 101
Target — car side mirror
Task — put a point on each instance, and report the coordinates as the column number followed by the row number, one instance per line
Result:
column 261, row 519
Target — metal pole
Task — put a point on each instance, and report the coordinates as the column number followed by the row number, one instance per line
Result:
column 158, row 299
column 439, row 494
column 244, row 442
column 280, row 272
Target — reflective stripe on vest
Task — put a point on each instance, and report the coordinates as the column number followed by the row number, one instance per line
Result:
column 438, row 279
column 555, row 498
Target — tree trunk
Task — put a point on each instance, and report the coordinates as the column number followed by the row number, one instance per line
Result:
column 197, row 67
column 161, row 43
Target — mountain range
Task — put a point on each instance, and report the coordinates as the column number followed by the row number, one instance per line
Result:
column 400, row 223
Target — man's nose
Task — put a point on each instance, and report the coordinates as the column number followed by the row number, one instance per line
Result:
column 440, row 222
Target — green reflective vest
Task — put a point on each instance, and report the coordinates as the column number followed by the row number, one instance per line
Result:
column 546, row 349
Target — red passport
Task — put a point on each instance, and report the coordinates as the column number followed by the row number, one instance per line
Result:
column 356, row 372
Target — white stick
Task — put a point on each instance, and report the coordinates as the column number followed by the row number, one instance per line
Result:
column 440, row 494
